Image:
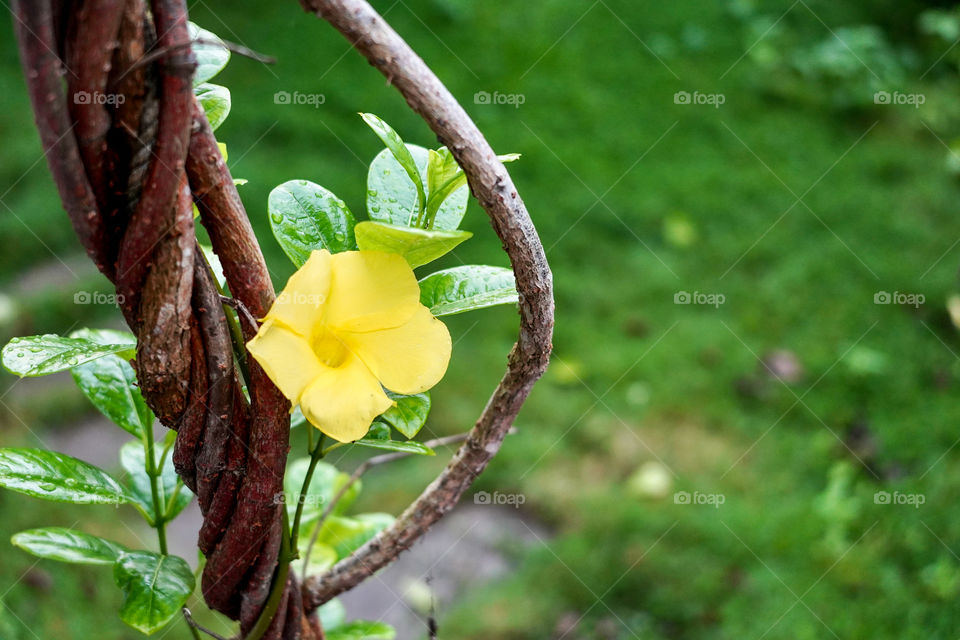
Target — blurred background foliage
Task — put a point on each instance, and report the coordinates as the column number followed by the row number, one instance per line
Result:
column 799, row 199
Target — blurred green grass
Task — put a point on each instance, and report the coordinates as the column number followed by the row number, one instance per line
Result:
column 610, row 161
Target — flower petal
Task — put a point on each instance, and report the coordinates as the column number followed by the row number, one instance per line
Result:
column 407, row 359
column 343, row 401
column 371, row 290
column 301, row 304
column 286, row 357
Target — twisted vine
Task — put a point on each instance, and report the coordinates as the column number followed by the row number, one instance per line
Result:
column 128, row 178
column 128, row 174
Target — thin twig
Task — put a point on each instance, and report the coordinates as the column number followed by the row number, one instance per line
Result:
column 193, row 624
column 492, row 186
column 240, row 50
column 362, row 469
column 241, row 309
column 233, row 47
column 188, row 616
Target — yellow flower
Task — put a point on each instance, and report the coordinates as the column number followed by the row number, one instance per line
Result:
column 344, row 325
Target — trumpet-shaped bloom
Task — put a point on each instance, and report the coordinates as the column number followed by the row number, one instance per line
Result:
column 346, row 326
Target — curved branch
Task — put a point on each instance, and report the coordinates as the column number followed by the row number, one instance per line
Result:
column 493, row 188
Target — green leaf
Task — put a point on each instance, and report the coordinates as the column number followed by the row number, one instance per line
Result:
column 417, row 246
column 212, row 56
column 443, row 178
column 58, row 477
column 68, row 545
column 215, row 265
column 403, row 157
column 215, row 100
column 41, row 355
column 326, row 482
column 332, row 614
column 346, row 535
column 409, row 414
column 362, row 630
column 322, row 557
column 392, row 198
column 378, row 431
column 154, row 588
column 133, row 459
column 111, row 385
column 467, row 288
column 107, row 336
column 304, row 216
column 409, row 446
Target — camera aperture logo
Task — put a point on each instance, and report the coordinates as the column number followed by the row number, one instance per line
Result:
column 897, row 498
column 299, row 98
column 295, row 498
column 899, row 98
column 512, row 99
column 697, row 297
column 711, row 499
column 299, row 298
column 98, row 298
column 509, row 499
column 914, row 300
column 98, row 97
column 696, row 98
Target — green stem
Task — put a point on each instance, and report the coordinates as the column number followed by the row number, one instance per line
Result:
column 159, row 515
column 315, row 456
column 236, row 336
column 193, row 630
column 335, row 446
column 160, row 510
column 279, row 584
column 166, row 451
column 173, row 498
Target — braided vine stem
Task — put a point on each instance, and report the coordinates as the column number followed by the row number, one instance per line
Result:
column 128, row 171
